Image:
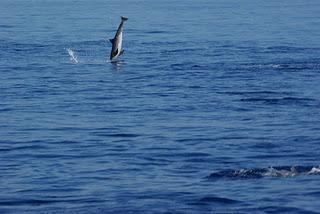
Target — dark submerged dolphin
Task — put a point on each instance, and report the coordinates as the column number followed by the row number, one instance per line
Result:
column 117, row 41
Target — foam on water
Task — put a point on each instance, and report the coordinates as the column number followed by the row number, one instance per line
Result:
column 314, row 170
column 280, row 172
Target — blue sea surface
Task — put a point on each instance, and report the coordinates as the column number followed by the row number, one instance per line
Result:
column 214, row 107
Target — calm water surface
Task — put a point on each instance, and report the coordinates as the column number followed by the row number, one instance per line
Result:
column 213, row 108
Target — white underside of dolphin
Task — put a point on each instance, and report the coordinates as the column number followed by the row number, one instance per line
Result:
column 117, row 50
column 120, row 44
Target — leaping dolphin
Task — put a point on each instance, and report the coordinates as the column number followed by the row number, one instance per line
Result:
column 117, row 41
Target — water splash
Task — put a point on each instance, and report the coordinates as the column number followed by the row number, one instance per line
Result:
column 255, row 173
column 314, row 170
column 281, row 172
column 73, row 56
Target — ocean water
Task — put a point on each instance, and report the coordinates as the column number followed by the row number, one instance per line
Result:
column 213, row 108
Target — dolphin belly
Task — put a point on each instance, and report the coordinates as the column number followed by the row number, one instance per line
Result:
column 117, row 41
column 119, row 44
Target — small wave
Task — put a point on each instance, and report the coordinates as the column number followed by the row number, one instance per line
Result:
column 73, row 56
column 213, row 199
column 5, row 109
column 255, row 173
column 123, row 135
column 188, row 66
column 260, row 93
column 156, row 32
column 285, row 49
column 183, row 50
column 6, row 26
column 38, row 202
column 282, row 100
column 26, row 202
column 283, row 209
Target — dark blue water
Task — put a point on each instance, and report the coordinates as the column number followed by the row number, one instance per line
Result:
column 213, row 108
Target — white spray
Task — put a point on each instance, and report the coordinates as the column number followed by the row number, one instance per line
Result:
column 72, row 55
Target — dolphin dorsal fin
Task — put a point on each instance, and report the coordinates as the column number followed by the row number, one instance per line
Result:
column 111, row 40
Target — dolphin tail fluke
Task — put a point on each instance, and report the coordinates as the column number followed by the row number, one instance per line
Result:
column 124, row 18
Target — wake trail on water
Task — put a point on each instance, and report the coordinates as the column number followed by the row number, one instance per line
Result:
column 255, row 173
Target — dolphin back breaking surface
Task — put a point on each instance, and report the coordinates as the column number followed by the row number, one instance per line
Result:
column 117, row 50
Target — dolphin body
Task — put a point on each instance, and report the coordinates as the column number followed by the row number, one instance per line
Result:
column 117, row 41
